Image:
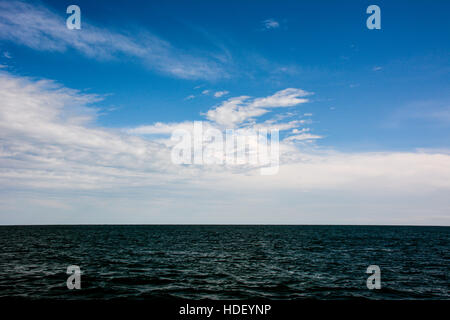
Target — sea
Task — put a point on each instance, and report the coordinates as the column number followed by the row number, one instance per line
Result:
column 279, row 262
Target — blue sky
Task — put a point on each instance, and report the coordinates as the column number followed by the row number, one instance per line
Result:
column 137, row 63
column 365, row 81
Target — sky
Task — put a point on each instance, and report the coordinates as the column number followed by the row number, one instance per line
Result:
column 86, row 115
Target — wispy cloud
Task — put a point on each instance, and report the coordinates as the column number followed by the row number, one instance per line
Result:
column 238, row 110
column 49, row 140
column 219, row 94
column 422, row 112
column 271, row 24
column 39, row 28
column 302, row 137
column 54, row 157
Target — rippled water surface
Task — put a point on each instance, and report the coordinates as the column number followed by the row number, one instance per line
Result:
column 224, row 262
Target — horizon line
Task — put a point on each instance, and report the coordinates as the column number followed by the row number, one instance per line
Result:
column 219, row 224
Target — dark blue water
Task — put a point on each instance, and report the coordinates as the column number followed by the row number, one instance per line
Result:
column 224, row 262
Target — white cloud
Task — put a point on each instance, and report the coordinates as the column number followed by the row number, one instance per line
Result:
column 205, row 92
column 278, row 125
column 219, row 94
column 237, row 110
column 271, row 24
column 161, row 128
column 300, row 131
column 234, row 111
column 41, row 29
column 59, row 166
column 285, row 98
column 49, row 140
column 302, row 137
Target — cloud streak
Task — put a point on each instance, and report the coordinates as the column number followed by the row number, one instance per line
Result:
column 59, row 165
column 238, row 110
column 271, row 24
column 219, row 94
column 39, row 28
